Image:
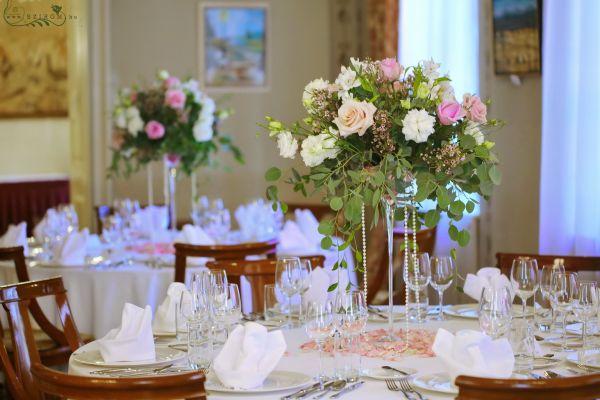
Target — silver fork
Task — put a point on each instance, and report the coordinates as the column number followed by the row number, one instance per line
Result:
column 406, row 386
column 393, row 386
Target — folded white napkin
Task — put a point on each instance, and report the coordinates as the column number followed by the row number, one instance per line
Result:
column 292, row 238
column 192, row 234
column 309, row 225
column 473, row 353
column 164, row 320
column 38, row 230
column 133, row 340
column 245, row 215
column 319, row 283
column 72, row 250
column 16, row 235
column 152, row 219
column 487, row 276
column 248, row 356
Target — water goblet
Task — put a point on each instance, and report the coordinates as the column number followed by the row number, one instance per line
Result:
column 564, row 292
column 288, row 280
column 523, row 276
column 442, row 275
column 585, row 307
column 319, row 326
column 495, row 308
column 305, row 282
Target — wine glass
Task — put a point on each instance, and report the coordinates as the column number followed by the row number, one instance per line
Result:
column 351, row 318
column 523, row 276
column 218, row 277
column 319, row 326
column 442, row 275
column 227, row 308
column 585, row 307
column 418, row 271
column 305, row 281
column 563, row 292
column 495, row 307
column 546, row 275
column 288, row 280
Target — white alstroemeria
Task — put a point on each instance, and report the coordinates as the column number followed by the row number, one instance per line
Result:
column 307, row 95
column 446, row 91
column 472, row 129
column 345, row 96
column 430, row 69
column 287, row 144
column 315, row 149
column 163, row 74
column 347, row 79
column 358, row 64
column 120, row 118
column 203, row 131
column 418, row 125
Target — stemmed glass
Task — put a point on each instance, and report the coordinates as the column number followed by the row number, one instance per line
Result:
column 495, row 309
column 442, row 275
column 227, row 305
column 585, row 307
column 417, row 275
column 305, row 282
column 523, row 276
column 563, row 292
column 546, row 275
column 288, row 280
column 351, row 316
column 319, row 326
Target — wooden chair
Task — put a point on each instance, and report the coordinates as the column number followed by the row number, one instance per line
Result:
column 51, row 342
column 378, row 280
column 258, row 273
column 29, row 379
column 585, row 387
column 220, row 252
column 573, row 263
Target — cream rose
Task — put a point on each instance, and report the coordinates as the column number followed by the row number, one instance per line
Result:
column 354, row 117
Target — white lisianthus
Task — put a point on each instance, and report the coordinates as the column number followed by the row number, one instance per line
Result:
column 287, row 144
column 418, row 125
column 430, row 69
column 315, row 149
column 347, row 79
column 354, row 117
column 472, row 129
column 307, row 95
column 120, row 118
column 203, row 131
column 163, row 74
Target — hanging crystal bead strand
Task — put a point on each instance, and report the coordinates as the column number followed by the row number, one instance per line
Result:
column 364, row 250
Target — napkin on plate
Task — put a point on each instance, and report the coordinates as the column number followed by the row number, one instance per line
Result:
column 292, row 238
column 72, row 250
column 192, row 234
column 487, row 276
column 164, row 320
column 152, row 219
column 133, row 340
column 16, row 235
column 473, row 353
column 248, row 356
column 38, row 230
column 309, row 225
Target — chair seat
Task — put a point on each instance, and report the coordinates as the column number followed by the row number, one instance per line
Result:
column 43, row 342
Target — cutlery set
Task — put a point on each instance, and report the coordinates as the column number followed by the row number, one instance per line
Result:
column 134, row 372
column 404, row 386
column 338, row 386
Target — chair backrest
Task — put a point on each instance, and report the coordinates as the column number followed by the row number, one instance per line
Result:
column 188, row 385
column 16, row 255
column 16, row 300
column 586, row 387
column 219, row 252
column 258, row 273
column 11, row 380
column 572, row 263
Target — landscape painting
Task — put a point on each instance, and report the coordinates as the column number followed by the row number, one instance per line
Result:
column 234, row 46
column 517, row 31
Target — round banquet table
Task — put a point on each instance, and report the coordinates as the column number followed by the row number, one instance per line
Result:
column 307, row 361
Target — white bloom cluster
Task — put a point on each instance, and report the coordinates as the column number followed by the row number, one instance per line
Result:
column 287, row 144
column 472, row 129
column 130, row 119
column 307, row 95
column 346, row 80
column 315, row 149
column 431, row 69
column 418, row 125
column 192, row 86
column 203, row 128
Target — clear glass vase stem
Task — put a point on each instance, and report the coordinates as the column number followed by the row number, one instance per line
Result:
column 389, row 206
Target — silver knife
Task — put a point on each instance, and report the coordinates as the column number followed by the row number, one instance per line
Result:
column 348, row 389
column 303, row 392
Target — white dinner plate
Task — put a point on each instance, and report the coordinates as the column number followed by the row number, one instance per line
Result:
column 439, row 382
column 463, row 311
column 164, row 356
column 381, row 374
column 275, row 382
column 589, row 358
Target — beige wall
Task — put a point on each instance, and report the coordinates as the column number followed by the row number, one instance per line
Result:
column 513, row 213
column 300, row 51
column 34, row 146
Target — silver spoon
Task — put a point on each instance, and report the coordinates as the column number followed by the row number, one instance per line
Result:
column 394, row 369
column 335, row 385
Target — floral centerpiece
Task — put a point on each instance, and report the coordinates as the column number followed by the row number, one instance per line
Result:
column 171, row 118
column 382, row 132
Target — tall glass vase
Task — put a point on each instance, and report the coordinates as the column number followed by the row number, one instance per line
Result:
column 389, row 208
column 171, row 163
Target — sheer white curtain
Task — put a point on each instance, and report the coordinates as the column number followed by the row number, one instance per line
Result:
column 570, row 173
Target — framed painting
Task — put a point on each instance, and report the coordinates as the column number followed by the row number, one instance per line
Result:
column 234, row 52
column 33, row 59
column 517, row 36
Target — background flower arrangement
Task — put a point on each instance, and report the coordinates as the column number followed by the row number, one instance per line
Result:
column 171, row 117
column 380, row 130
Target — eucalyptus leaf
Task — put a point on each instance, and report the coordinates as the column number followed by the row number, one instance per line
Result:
column 273, row 174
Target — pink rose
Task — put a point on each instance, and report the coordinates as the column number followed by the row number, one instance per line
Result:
column 155, row 130
column 476, row 110
column 133, row 97
column 171, row 82
column 175, row 99
column 449, row 112
column 390, row 69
